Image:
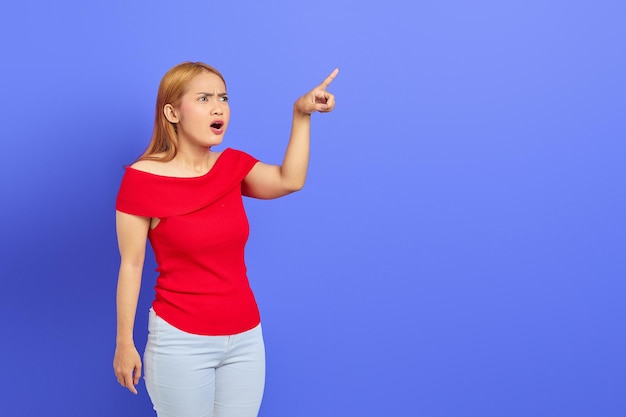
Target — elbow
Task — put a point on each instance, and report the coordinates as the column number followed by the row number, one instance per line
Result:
column 294, row 186
column 291, row 180
column 132, row 262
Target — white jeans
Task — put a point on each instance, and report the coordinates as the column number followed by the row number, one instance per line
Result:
column 190, row 375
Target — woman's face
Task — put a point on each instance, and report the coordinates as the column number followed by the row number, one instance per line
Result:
column 203, row 113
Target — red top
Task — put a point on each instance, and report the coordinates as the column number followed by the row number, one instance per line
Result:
column 202, row 287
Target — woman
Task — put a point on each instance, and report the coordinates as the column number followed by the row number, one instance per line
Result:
column 205, row 353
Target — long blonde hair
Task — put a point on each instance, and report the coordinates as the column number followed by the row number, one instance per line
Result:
column 172, row 87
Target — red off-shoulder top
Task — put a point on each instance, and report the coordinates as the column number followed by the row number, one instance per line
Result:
column 202, row 286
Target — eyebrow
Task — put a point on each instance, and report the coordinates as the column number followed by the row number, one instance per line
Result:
column 211, row 94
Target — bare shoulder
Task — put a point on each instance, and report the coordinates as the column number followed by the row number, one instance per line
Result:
column 152, row 166
column 173, row 168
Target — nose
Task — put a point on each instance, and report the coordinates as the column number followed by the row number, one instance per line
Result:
column 218, row 108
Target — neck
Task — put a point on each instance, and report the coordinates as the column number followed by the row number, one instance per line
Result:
column 195, row 160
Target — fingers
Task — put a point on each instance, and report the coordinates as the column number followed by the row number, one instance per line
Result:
column 129, row 382
column 329, row 79
column 125, row 379
column 325, row 102
column 330, row 103
column 129, row 378
column 126, row 382
column 131, row 387
column 318, row 99
column 137, row 375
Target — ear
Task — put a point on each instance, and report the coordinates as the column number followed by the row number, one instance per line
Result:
column 170, row 113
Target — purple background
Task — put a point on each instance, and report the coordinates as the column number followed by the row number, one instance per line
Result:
column 459, row 249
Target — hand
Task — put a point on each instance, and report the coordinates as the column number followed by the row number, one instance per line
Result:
column 127, row 366
column 317, row 99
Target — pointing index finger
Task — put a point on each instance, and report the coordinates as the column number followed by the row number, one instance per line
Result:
column 329, row 79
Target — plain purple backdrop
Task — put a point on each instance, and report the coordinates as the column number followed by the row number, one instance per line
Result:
column 458, row 250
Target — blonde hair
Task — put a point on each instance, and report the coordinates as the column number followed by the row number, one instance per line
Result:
column 173, row 85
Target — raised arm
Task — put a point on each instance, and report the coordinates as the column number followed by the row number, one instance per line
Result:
column 132, row 232
column 272, row 181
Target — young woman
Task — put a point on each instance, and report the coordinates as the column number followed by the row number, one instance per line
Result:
column 205, row 354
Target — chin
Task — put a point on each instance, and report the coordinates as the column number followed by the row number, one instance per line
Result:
column 214, row 141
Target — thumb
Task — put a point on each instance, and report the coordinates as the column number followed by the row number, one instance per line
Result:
column 319, row 93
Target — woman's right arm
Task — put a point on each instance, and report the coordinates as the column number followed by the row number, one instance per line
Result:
column 132, row 233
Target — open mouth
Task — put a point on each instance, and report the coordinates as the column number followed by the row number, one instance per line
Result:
column 217, row 125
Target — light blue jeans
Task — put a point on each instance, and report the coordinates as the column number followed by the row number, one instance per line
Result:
column 189, row 375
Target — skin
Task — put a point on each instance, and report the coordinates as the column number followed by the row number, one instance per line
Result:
column 204, row 102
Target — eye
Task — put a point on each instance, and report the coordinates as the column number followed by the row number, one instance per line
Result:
column 202, row 98
column 224, row 99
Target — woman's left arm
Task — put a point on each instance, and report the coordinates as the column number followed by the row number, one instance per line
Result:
column 272, row 181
